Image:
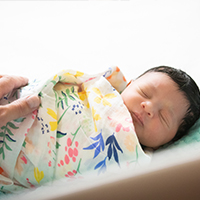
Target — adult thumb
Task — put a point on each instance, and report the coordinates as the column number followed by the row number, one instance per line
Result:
column 18, row 108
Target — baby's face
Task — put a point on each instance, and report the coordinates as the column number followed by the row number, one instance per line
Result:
column 156, row 106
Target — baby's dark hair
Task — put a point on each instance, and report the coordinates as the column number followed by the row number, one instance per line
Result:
column 190, row 90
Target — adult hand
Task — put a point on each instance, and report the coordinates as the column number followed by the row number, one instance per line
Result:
column 20, row 107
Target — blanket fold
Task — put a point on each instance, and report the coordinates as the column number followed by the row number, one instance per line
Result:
column 81, row 126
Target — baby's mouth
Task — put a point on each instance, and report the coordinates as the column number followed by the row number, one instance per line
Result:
column 136, row 117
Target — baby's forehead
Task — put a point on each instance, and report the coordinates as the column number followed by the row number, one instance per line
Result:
column 155, row 77
column 154, row 73
column 158, row 81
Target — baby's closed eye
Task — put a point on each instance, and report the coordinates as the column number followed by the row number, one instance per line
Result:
column 144, row 93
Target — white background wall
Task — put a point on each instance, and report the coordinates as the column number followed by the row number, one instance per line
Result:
column 38, row 38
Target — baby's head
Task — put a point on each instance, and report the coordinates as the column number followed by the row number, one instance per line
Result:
column 164, row 103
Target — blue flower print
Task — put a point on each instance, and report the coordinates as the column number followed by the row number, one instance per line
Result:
column 113, row 147
column 101, row 165
column 98, row 145
column 77, row 108
column 44, row 127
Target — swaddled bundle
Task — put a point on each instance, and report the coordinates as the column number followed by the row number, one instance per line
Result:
column 82, row 126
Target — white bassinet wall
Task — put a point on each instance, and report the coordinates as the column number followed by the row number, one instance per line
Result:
column 39, row 38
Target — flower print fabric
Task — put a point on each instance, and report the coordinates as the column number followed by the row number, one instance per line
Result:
column 81, row 126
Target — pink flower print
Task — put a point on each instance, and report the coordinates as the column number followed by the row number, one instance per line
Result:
column 24, row 159
column 34, row 113
column 50, row 152
column 114, row 123
column 61, row 162
column 126, row 129
column 27, row 131
column 48, row 144
column 71, row 153
column 67, row 159
column 129, row 120
column 118, row 128
column 75, row 152
column 69, row 142
column 90, row 79
column 49, row 163
column 71, row 174
column 31, row 185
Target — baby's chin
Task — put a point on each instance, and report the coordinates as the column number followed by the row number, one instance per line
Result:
column 150, row 144
column 144, row 141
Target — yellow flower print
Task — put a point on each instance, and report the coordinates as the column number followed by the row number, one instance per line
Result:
column 96, row 117
column 68, row 74
column 103, row 98
column 53, row 124
column 83, row 95
column 130, row 143
column 71, row 77
column 55, row 77
column 39, row 175
column 51, row 113
column 79, row 73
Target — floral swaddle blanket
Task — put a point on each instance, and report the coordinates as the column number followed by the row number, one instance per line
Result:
column 82, row 126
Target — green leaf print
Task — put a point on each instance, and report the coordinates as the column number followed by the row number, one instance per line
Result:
column 54, row 82
column 20, row 119
column 9, row 131
column 9, row 138
column 57, row 145
column 5, row 137
column 66, row 101
column 63, row 115
column 67, row 95
column 63, row 94
column 60, row 134
column 41, row 95
column 2, row 152
column 67, row 92
column 24, row 144
column 12, row 125
column 7, row 147
column 60, row 77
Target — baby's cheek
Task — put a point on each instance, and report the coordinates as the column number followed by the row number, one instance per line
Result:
column 156, row 134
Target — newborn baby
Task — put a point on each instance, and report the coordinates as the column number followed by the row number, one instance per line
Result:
column 164, row 104
column 94, row 124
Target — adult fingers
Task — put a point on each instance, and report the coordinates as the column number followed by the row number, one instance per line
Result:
column 8, row 83
column 18, row 108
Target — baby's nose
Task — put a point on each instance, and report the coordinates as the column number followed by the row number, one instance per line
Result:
column 148, row 108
